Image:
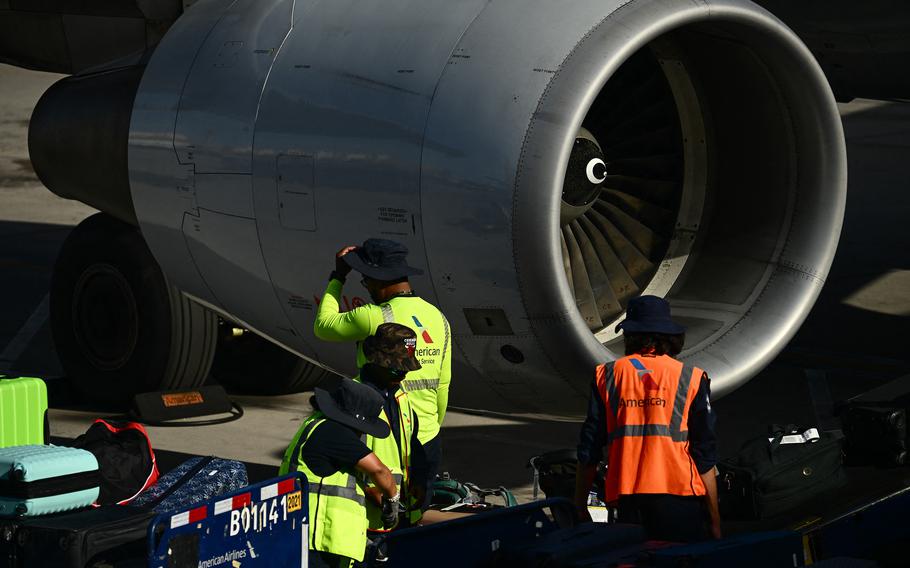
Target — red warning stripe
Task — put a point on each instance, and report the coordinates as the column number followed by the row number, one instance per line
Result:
column 231, row 503
column 285, row 486
column 276, row 489
column 198, row 513
column 187, row 517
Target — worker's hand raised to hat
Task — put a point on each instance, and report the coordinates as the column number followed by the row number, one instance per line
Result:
column 341, row 267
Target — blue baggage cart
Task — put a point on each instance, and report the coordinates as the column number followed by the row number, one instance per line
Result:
column 265, row 524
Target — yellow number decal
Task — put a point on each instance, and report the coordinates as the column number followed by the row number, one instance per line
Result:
column 293, row 501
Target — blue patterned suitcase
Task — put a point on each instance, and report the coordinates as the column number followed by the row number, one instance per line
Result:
column 197, row 479
column 39, row 480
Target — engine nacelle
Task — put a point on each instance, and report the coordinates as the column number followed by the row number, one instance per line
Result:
column 267, row 134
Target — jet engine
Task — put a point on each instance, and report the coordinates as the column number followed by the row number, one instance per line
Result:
column 543, row 161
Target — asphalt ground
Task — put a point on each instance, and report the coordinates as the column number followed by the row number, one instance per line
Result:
column 857, row 334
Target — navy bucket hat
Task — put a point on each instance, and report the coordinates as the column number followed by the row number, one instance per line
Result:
column 649, row 314
column 355, row 405
column 381, row 259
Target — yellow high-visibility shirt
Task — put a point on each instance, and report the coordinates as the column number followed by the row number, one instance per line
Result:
column 428, row 387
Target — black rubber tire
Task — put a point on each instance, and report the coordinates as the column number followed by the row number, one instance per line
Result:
column 254, row 365
column 118, row 326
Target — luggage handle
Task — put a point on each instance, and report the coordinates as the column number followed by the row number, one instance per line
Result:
column 777, row 433
column 185, row 477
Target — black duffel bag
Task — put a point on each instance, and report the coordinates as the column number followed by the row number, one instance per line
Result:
column 125, row 456
column 780, row 471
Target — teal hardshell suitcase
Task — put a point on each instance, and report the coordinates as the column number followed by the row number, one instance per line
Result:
column 23, row 411
column 39, row 480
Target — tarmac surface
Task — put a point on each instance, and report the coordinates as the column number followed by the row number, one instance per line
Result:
column 857, row 334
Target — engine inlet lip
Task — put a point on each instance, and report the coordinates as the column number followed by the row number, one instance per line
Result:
column 545, row 292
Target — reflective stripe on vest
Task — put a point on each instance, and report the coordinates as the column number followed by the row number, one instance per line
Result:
column 411, row 385
column 338, row 520
column 674, row 429
column 397, row 459
column 445, row 344
column 645, row 423
column 387, row 315
column 347, row 492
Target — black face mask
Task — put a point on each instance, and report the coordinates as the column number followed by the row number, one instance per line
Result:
column 381, row 376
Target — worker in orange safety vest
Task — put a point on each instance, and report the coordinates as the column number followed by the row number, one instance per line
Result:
column 654, row 415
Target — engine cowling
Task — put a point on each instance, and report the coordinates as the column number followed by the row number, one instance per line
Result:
column 266, row 135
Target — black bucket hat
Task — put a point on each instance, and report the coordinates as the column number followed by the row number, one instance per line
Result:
column 392, row 347
column 649, row 314
column 381, row 259
column 355, row 405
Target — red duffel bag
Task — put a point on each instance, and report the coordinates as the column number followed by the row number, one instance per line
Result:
column 126, row 460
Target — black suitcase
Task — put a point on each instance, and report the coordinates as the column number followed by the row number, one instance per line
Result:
column 769, row 477
column 94, row 537
column 875, row 434
column 589, row 544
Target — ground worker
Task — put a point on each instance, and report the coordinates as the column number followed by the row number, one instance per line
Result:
column 390, row 355
column 328, row 449
column 385, row 276
column 654, row 414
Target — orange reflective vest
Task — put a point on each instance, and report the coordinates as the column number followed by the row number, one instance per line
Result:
column 647, row 401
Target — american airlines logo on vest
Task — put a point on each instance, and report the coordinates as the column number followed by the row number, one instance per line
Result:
column 645, row 375
column 641, row 402
column 423, row 332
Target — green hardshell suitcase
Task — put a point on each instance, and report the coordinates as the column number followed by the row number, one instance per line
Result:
column 23, row 411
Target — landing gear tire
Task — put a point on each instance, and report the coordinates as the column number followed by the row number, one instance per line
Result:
column 248, row 363
column 118, row 326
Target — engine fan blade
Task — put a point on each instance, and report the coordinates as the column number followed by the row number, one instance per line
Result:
column 649, row 243
column 636, row 264
column 608, row 306
column 584, row 294
column 624, row 287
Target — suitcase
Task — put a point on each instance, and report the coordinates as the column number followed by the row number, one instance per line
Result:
column 39, row 480
column 772, row 475
column 758, row 550
column 875, row 434
column 102, row 536
column 23, row 411
column 197, row 479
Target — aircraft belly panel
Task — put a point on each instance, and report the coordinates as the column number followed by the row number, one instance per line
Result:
column 225, row 248
column 230, row 194
column 347, row 119
column 163, row 189
column 217, row 110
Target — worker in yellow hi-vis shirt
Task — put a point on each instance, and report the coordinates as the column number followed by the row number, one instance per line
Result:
column 383, row 264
